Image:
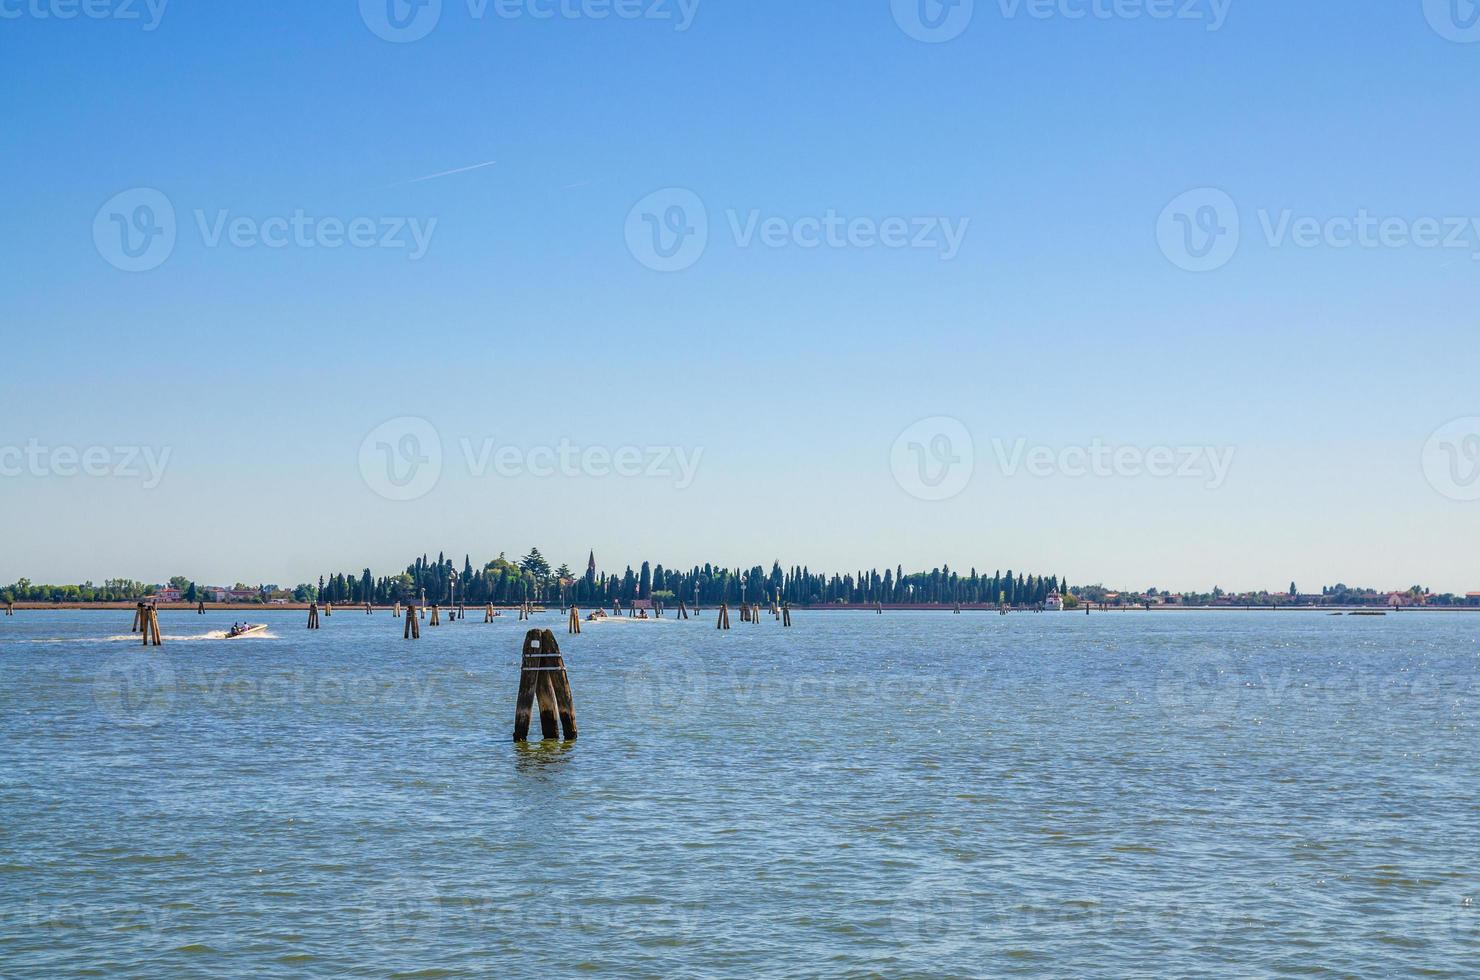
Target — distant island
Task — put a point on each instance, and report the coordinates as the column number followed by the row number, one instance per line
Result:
column 503, row 582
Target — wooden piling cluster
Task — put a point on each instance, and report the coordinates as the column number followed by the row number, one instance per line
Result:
column 10, row 609
column 396, row 613
column 313, row 615
column 542, row 677
column 683, row 611
column 413, row 625
column 488, row 613
column 200, row 609
column 724, row 617
column 328, row 609
column 786, row 615
column 368, row 610
column 146, row 621
column 436, row 619
column 574, row 626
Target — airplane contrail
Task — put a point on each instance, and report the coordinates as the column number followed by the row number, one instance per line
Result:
column 449, row 173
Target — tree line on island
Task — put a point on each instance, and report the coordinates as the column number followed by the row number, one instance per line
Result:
column 532, row 579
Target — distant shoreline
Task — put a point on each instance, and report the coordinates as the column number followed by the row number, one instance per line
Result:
column 351, row 609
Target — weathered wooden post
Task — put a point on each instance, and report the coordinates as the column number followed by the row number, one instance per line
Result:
column 786, row 615
column 368, row 611
column 436, row 619
column 200, row 608
column 575, row 620
column 879, row 608
column 413, row 625
column 328, row 609
column 396, row 612
column 10, row 609
column 542, row 676
column 138, row 619
column 462, row 611
column 313, row 615
column 149, row 617
column 724, row 617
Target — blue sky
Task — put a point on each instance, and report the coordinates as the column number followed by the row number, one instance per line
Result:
column 1061, row 322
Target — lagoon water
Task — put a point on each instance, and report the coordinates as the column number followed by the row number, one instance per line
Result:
column 913, row 794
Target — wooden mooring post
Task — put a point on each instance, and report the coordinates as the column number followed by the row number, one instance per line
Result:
column 724, row 617
column 10, row 609
column 138, row 618
column 879, row 608
column 542, row 677
column 436, row 619
column 488, row 613
column 313, row 615
column 683, row 610
column 148, row 617
column 575, row 620
column 786, row 615
column 368, row 610
column 200, row 608
column 413, row 625
column 396, row 612
column 328, row 609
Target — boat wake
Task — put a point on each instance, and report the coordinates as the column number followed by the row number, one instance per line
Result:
column 134, row 638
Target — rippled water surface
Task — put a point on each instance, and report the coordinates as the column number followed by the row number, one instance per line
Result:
column 913, row 794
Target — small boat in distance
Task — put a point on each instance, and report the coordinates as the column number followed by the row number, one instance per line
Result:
column 244, row 629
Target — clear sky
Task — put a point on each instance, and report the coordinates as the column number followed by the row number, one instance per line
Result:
column 562, row 297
